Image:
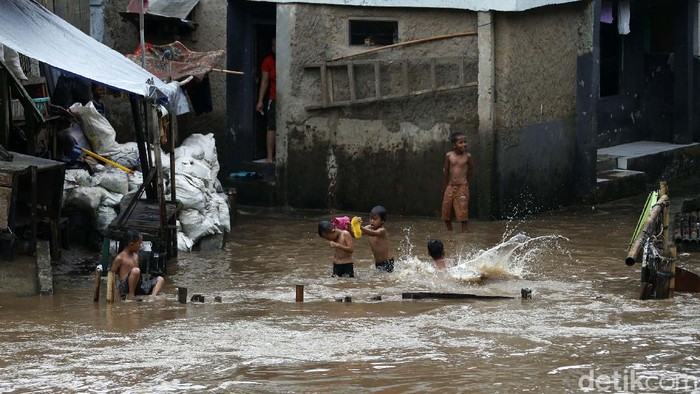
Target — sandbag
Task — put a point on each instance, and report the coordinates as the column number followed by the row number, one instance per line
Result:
column 191, row 192
column 191, row 166
column 184, row 243
column 220, row 208
column 110, row 199
column 125, row 154
column 13, row 64
column 196, row 225
column 105, row 216
column 96, row 128
column 85, row 198
column 113, row 180
column 77, row 177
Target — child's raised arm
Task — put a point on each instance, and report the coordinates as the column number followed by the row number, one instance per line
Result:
column 368, row 230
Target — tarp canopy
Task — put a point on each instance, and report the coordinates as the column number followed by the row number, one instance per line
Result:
column 34, row 31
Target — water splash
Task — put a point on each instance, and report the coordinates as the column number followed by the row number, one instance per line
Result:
column 508, row 259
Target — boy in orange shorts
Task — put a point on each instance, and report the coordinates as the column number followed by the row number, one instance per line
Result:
column 459, row 167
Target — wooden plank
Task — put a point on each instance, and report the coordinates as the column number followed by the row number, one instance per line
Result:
column 377, row 80
column 450, row 296
column 351, row 81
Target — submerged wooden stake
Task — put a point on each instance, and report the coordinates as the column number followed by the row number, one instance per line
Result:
column 300, row 293
column 98, row 282
column 110, row 286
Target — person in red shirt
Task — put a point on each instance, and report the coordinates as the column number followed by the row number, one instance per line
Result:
column 269, row 80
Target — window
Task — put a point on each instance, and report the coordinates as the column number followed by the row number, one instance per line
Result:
column 373, row 32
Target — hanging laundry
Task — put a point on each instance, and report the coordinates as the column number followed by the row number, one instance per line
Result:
column 623, row 17
column 606, row 12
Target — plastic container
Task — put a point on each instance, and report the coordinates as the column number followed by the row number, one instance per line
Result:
column 355, row 225
column 42, row 103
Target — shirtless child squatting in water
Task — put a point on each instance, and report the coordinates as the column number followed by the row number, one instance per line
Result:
column 126, row 266
column 341, row 243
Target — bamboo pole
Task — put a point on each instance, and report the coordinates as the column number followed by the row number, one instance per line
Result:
column 638, row 244
column 418, row 41
column 107, row 161
column 227, row 71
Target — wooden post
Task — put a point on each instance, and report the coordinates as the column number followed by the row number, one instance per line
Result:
column 182, row 295
column 404, row 76
column 110, row 286
column 324, row 85
column 300, row 293
column 377, row 80
column 663, row 191
column 351, row 81
column 672, row 283
column 98, row 281
column 34, row 201
column 638, row 245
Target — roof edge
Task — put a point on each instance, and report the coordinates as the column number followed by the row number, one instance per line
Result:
column 469, row 5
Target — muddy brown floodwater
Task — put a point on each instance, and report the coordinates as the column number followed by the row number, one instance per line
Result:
column 583, row 329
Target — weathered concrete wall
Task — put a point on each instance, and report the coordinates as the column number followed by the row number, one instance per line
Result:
column 536, row 56
column 123, row 36
column 387, row 152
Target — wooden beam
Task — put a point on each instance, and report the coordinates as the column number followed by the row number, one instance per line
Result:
column 450, row 296
column 405, row 43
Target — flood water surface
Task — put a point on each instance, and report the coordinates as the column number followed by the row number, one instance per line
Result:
column 583, row 329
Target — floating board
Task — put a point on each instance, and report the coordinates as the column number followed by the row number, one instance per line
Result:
column 450, row 296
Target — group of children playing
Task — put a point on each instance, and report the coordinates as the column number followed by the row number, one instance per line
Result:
column 458, row 168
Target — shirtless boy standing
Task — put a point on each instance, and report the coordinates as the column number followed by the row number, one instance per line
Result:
column 341, row 243
column 126, row 266
column 459, row 166
column 379, row 239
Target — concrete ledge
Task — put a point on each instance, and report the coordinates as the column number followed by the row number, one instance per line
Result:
column 659, row 160
column 616, row 184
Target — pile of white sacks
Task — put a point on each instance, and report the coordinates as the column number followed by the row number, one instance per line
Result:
column 204, row 207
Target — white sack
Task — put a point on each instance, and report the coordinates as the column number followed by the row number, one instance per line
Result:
column 195, row 225
column 105, row 216
column 184, row 243
column 191, row 192
column 113, row 180
column 96, row 128
column 86, row 198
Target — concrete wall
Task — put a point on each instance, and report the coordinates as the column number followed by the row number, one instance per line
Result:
column 388, row 152
column 123, row 36
column 536, row 82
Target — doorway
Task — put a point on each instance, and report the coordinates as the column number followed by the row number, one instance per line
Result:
column 263, row 36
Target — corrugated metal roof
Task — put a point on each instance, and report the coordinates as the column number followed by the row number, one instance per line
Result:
column 472, row 5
